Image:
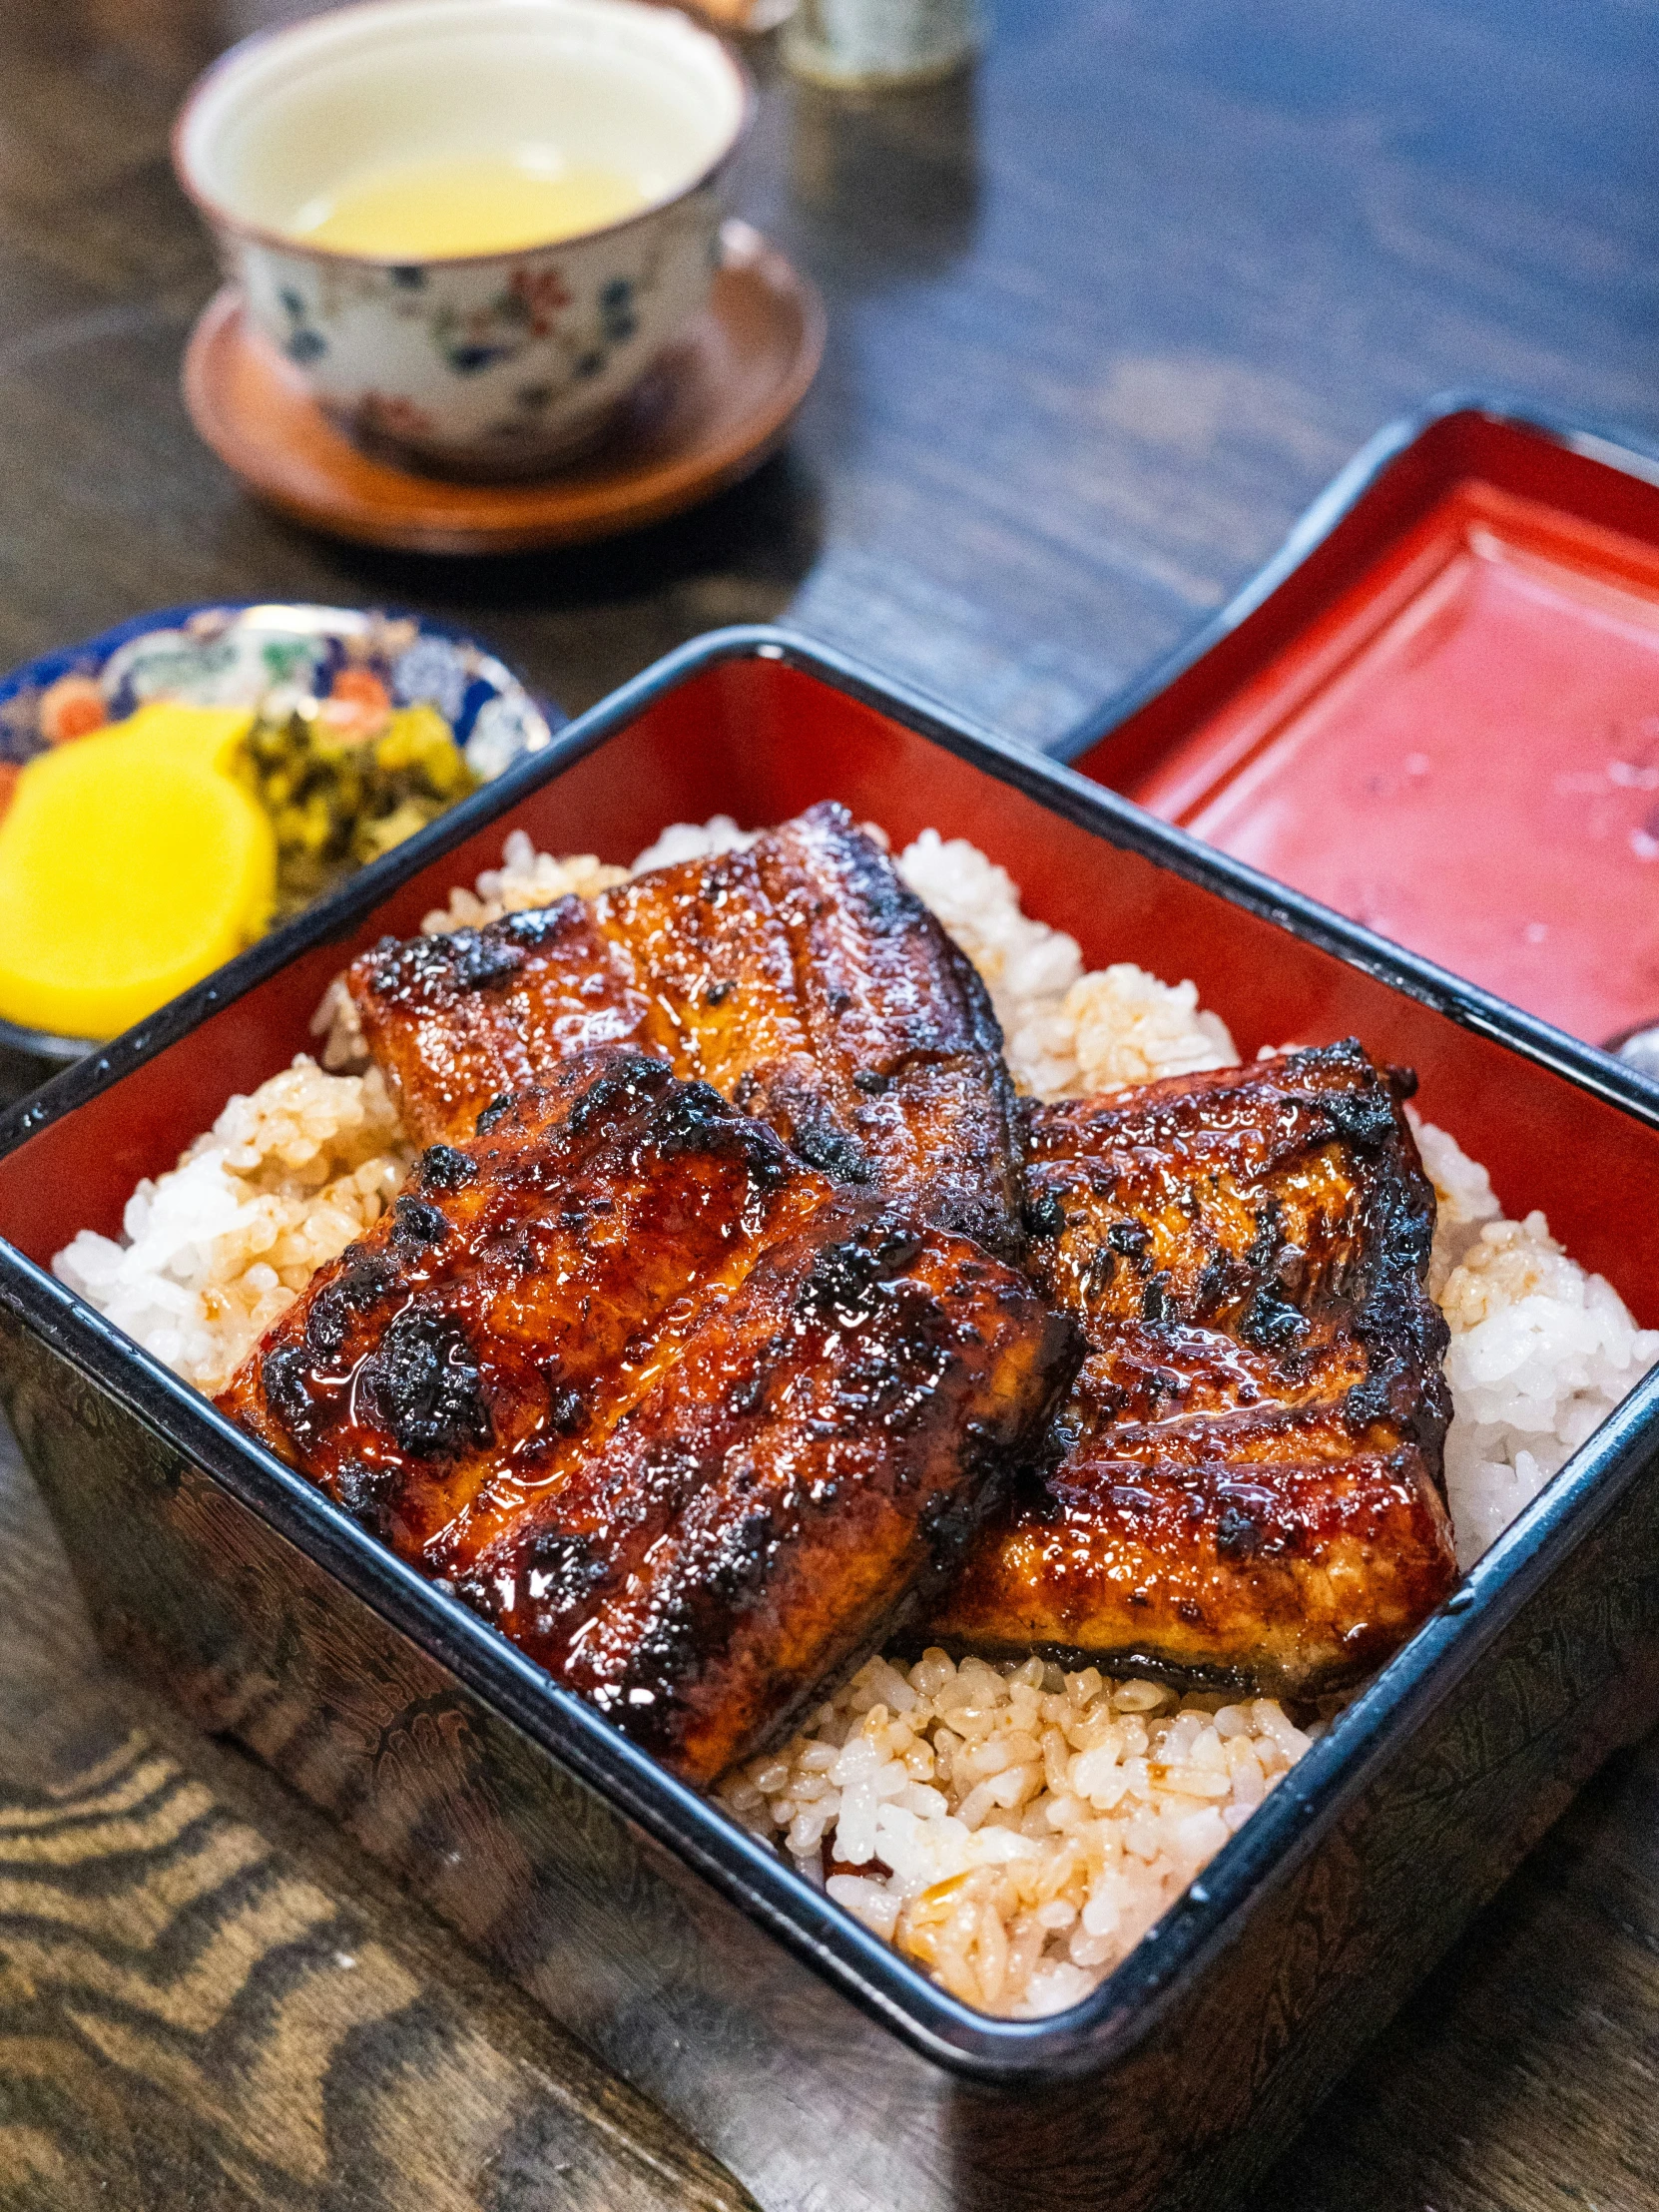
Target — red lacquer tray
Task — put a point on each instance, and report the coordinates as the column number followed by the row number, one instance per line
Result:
column 1437, row 710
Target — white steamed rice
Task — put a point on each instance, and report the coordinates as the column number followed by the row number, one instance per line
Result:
column 1015, row 1829
column 1542, row 1351
column 1065, row 1034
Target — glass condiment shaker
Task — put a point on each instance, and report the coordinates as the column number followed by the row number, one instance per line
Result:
column 864, row 44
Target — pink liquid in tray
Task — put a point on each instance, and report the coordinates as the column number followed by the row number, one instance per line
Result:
column 1465, row 755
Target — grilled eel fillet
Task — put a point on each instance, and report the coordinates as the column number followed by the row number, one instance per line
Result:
column 801, row 978
column 1249, row 1488
column 685, row 1419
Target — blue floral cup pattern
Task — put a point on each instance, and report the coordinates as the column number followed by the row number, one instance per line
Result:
column 498, row 367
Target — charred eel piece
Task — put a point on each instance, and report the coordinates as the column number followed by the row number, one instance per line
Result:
column 801, row 978
column 686, row 1420
column 1250, row 1486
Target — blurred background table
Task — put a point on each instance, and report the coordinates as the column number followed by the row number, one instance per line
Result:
column 1102, row 320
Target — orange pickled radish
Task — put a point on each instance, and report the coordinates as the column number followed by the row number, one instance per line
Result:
column 131, row 863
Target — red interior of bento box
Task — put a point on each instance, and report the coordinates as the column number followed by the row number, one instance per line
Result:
column 1447, row 724
column 760, row 739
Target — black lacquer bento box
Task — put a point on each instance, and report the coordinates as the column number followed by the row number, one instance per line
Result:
column 824, row 2070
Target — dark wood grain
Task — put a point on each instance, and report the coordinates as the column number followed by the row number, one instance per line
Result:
column 1102, row 322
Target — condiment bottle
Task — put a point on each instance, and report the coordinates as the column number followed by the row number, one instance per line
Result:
column 866, row 44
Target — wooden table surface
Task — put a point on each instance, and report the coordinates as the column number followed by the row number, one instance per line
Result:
column 1102, row 322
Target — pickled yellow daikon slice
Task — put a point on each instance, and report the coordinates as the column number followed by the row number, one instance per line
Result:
column 131, row 863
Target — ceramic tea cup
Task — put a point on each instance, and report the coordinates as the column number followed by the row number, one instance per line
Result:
column 493, row 363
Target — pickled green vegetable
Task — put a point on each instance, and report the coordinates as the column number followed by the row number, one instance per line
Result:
column 338, row 798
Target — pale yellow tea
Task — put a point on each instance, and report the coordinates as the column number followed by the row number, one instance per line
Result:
column 485, row 203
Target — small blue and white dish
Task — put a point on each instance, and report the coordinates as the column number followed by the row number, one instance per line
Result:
column 276, row 658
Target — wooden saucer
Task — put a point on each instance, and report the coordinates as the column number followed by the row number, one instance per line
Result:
column 721, row 404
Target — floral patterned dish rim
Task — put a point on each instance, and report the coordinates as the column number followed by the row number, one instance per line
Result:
column 244, row 652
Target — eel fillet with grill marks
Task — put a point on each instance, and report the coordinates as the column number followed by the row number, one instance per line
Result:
column 685, row 1419
column 1250, row 1486
column 801, row 978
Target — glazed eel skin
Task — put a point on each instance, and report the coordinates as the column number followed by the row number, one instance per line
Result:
column 801, row 978
column 1249, row 1488
column 689, row 1422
